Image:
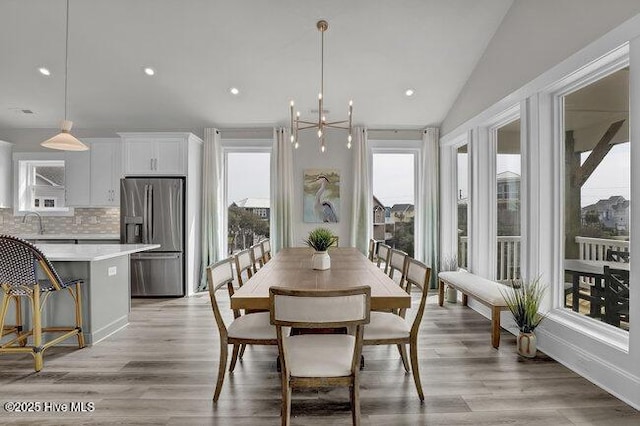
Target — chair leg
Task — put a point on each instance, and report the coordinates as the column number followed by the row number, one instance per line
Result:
column 403, row 354
column 242, row 348
column 3, row 310
column 78, row 298
column 415, row 367
column 222, row 368
column 37, row 329
column 355, row 403
column 286, row 404
column 22, row 342
column 234, row 357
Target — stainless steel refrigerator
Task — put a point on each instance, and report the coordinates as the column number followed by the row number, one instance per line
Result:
column 152, row 212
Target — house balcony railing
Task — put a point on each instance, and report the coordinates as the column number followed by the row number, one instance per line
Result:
column 509, row 252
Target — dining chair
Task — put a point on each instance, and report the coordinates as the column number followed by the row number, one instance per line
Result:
column 388, row 328
column 373, row 245
column 19, row 264
column 257, row 257
column 384, row 251
column 320, row 360
column 617, row 256
column 266, row 250
column 244, row 265
column 616, row 296
column 397, row 264
column 247, row 329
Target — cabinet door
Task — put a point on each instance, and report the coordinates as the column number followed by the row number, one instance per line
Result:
column 102, row 186
column 170, row 156
column 139, row 156
column 77, row 178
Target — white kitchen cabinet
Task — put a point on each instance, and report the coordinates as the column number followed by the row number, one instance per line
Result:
column 77, row 178
column 6, row 177
column 105, row 172
column 148, row 154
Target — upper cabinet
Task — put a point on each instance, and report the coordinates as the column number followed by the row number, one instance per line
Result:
column 155, row 153
column 106, row 171
column 77, row 178
column 6, row 194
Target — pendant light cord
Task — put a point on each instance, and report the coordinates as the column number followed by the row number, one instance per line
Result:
column 321, row 65
column 66, row 63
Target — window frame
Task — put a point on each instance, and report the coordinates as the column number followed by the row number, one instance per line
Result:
column 607, row 64
column 242, row 146
column 413, row 147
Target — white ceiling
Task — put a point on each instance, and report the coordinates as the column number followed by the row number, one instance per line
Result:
column 270, row 50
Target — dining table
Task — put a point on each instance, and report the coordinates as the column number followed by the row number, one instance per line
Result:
column 590, row 269
column 292, row 268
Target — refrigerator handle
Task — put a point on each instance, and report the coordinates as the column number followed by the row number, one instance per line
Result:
column 151, row 213
column 145, row 215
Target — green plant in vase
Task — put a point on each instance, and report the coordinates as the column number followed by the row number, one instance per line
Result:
column 320, row 239
column 523, row 298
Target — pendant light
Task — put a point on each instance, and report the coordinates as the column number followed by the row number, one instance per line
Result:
column 64, row 140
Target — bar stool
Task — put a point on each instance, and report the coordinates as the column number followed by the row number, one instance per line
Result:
column 18, row 262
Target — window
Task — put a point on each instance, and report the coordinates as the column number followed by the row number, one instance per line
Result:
column 508, row 214
column 41, row 186
column 394, row 199
column 248, row 178
column 597, row 193
column 462, row 201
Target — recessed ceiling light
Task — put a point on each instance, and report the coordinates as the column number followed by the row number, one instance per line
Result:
column 44, row 71
column 234, row 91
column 149, row 71
column 409, row 92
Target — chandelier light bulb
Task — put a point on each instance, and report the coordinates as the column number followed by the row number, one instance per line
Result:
column 291, row 103
column 351, row 103
column 298, row 114
column 296, row 145
column 292, row 138
column 322, row 148
column 319, row 95
column 319, row 133
column 348, row 145
column 349, row 138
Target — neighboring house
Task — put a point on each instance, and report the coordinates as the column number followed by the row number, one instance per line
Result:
column 379, row 215
column 259, row 206
column 611, row 213
column 402, row 212
column 508, row 186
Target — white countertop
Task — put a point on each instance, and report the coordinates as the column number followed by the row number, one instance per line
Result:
column 90, row 252
column 69, row 236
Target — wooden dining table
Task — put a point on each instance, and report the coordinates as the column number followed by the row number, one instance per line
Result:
column 291, row 268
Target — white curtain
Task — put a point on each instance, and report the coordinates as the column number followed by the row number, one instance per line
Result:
column 213, row 233
column 281, row 191
column 427, row 220
column 362, row 213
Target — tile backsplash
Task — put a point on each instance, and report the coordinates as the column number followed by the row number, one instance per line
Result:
column 85, row 221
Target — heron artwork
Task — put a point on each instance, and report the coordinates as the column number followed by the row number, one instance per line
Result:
column 322, row 196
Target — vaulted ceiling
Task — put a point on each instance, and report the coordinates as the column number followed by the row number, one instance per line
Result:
column 269, row 50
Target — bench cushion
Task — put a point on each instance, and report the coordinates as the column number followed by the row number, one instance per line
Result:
column 476, row 286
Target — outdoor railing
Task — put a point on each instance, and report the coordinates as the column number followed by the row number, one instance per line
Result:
column 508, row 258
column 596, row 248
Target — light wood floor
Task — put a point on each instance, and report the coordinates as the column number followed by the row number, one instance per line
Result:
column 162, row 368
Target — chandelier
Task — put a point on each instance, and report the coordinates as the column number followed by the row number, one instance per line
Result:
column 296, row 124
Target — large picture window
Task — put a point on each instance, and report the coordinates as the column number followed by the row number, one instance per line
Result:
column 597, row 199
column 462, row 205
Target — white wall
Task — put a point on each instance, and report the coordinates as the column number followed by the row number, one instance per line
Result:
column 606, row 356
column 337, row 156
column 533, row 36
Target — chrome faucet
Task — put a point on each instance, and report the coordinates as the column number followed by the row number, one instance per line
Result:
column 41, row 227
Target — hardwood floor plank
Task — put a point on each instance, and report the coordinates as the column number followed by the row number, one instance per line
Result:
column 162, row 368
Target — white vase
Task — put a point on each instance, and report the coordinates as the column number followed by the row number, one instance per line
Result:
column 452, row 295
column 527, row 345
column 321, row 260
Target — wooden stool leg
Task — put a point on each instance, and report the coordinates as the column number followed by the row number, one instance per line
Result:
column 495, row 327
column 440, row 292
column 37, row 329
column 78, row 298
column 3, row 311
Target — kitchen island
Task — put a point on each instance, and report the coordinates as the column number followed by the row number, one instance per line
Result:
column 105, row 293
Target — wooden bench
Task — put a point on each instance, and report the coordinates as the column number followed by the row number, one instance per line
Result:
column 481, row 289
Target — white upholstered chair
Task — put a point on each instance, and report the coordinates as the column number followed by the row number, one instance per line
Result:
column 397, row 265
column 248, row 329
column 266, row 250
column 244, row 266
column 384, row 251
column 388, row 328
column 320, row 360
column 373, row 252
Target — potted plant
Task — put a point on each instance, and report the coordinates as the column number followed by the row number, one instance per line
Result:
column 523, row 300
column 320, row 239
column 450, row 264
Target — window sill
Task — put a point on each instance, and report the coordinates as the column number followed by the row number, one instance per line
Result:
column 613, row 337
